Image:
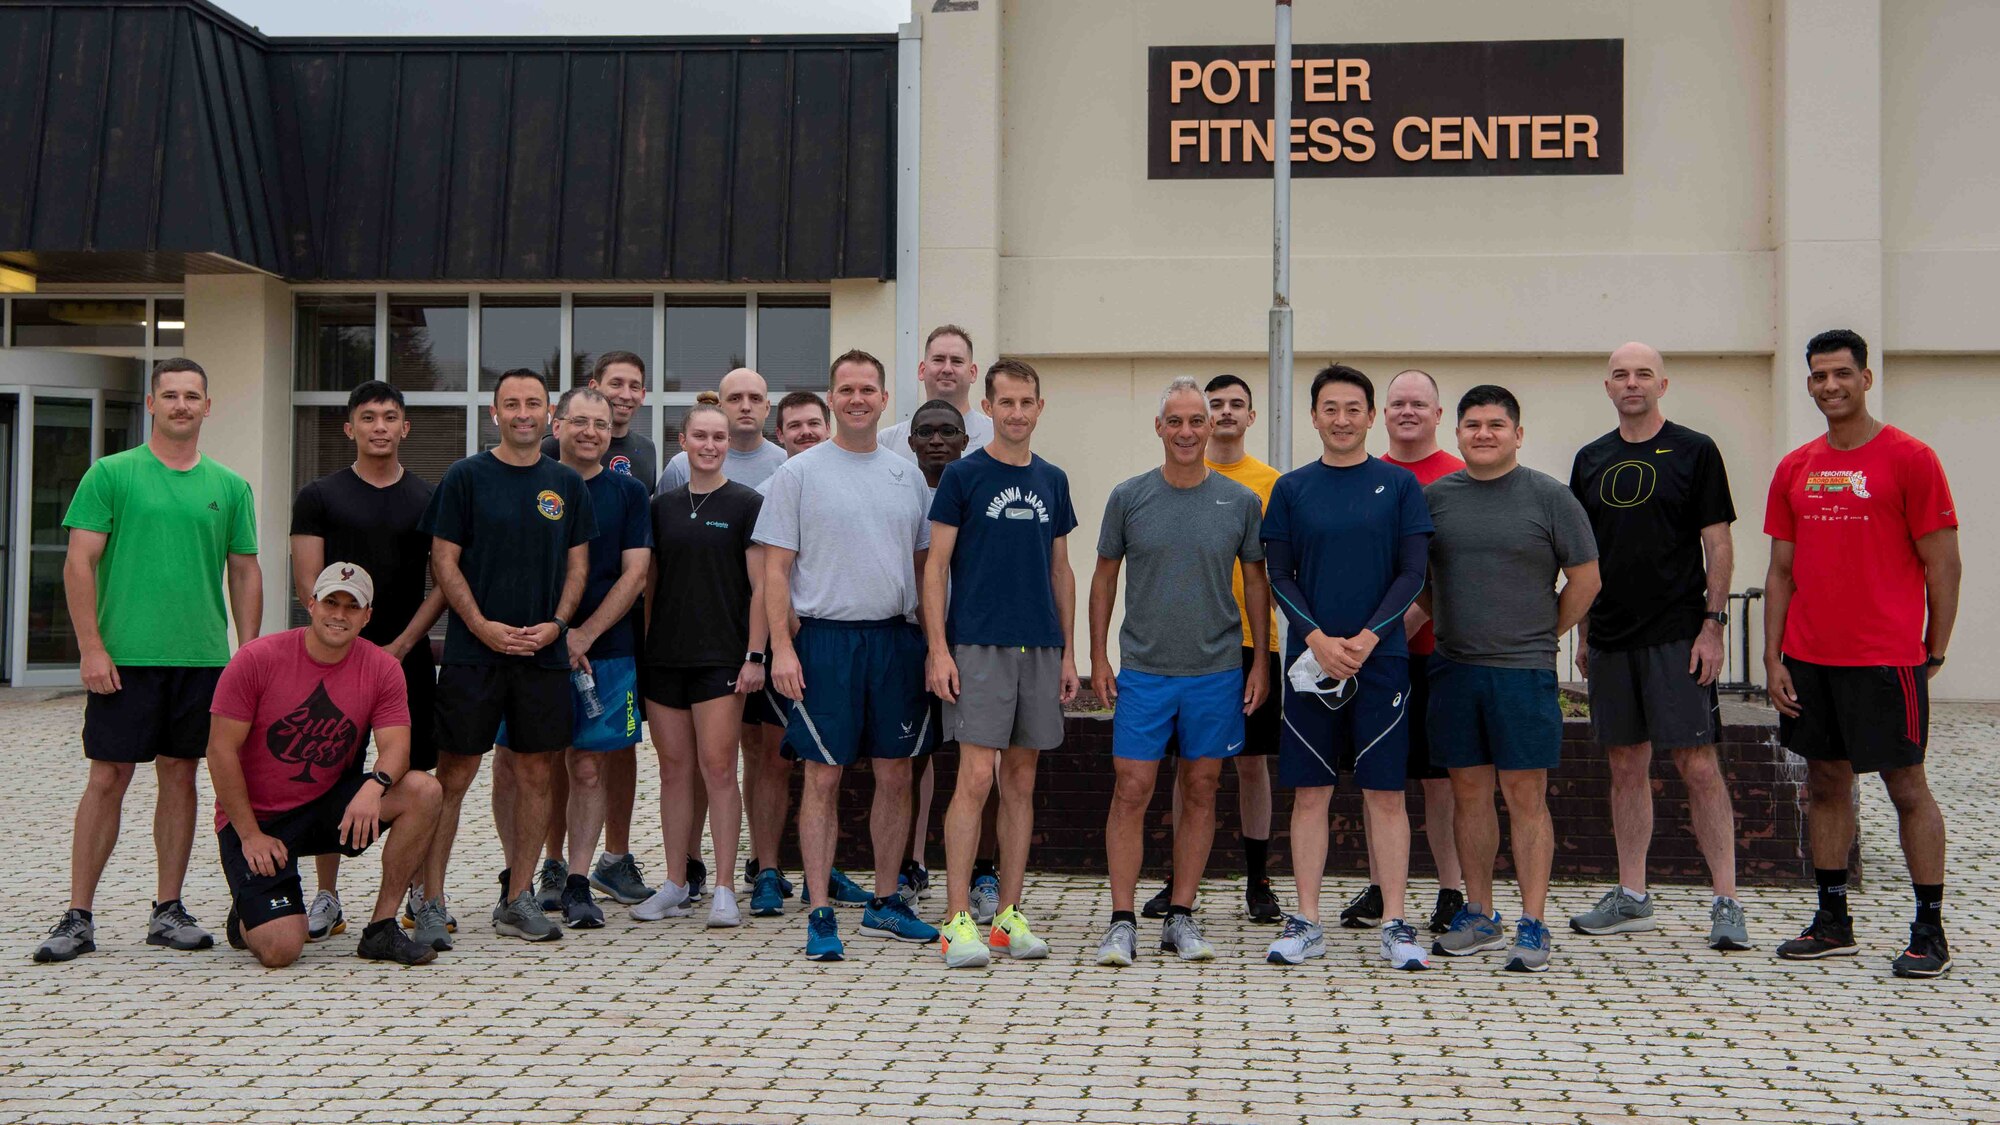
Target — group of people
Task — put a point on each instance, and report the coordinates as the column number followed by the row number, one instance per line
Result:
column 857, row 591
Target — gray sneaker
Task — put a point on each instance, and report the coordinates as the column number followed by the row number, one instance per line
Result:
column 1471, row 932
column 1180, row 934
column 1299, row 940
column 433, row 925
column 1532, row 945
column 985, row 899
column 173, row 927
column 1616, row 913
column 324, row 918
column 1120, row 946
column 523, row 918
column 549, row 883
column 620, row 879
column 73, row 935
column 1726, row 929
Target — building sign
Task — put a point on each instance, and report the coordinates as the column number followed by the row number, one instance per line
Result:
column 1542, row 107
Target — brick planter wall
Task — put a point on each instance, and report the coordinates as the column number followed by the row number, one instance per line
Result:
column 1073, row 793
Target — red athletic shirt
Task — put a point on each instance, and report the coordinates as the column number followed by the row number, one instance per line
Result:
column 1855, row 517
column 308, row 721
column 1439, row 464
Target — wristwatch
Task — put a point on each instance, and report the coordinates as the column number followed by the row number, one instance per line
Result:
column 1934, row 661
column 561, row 627
column 382, row 779
column 753, row 657
column 1718, row 618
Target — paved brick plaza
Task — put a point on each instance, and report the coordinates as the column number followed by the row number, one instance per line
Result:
column 672, row 1023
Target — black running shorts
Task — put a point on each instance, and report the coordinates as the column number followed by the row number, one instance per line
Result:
column 1875, row 717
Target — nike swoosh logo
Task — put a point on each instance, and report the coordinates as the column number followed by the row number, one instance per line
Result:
column 1224, row 503
column 1231, row 748
column 1663, row 451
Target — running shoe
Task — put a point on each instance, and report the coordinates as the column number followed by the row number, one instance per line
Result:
column 697, row 873
column 1299, row 940
column 549, row 883
column 985, row 898
column 914, row 882
column 433, row 925
column 1400, row 948
column 960, row 944
column 766, row 899
column 1180, row 934
column 1261, row 901
column 232, row 930
column 750, row 870
column 1365, row 911
column 1156, row 907
column 1450, row 899
column 387, row 942
column 823, row 936
column 324, row 918
column 1726, row 928
column 1617, row 912
column 1120, row 947
column 842, row 890
column 524, row 918
column 722, row 909
column 1532, row 945
column 1011, row 934
column 173, row 927
column 580, row 912
column 892, row 918
column 1827, row 936
column 73, row 934
column 670, row 901
column 620, row 880
column 415, row 899
column 1926, row 956
column 1471, row 933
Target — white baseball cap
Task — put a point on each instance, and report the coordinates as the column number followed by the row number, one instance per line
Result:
column 345, row 576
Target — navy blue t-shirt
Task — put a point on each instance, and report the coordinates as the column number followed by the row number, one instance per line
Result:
column 1008, row 519
column 1344, row 526
column 624, row 523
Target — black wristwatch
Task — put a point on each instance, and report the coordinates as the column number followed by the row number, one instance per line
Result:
column 1932, row 661
column 561, row 627
column 753, row 657
column 383, row 779
column 1718, row 618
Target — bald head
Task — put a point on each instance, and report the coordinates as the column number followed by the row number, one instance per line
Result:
column 1635, row 354
column 745, row 399
column 1636, row 380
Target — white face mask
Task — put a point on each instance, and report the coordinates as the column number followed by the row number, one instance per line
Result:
column 1307, row 676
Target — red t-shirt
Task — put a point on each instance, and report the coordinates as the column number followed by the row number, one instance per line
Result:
column 308, row 721
column 1439, row 464
column 1854, row 517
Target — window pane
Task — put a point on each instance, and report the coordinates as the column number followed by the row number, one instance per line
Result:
column 612, row 324
column 170, row 331
column 519, row 332
column 121, row 426
column 427, row 343
column 794, row 340
column 704, row 341
column 437, row 439
column 62, row 322
column 336, row 343
column 61, row 455
column 51, row 640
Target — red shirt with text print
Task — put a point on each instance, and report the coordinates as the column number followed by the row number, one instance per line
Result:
column 1854, row 517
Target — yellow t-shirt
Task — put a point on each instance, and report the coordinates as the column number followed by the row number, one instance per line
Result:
column 1259, row 478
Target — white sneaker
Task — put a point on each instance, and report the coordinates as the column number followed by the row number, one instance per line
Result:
column 324, row 918
column 670, row 901
column 722, row 910
column 1400, row 948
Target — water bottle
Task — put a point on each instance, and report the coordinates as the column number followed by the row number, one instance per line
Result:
column 586, row 686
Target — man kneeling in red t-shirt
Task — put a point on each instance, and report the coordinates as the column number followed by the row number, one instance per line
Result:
column 292, row 714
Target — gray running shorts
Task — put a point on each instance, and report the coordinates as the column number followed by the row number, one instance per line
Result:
column 1007, row 696
column 1647, row 695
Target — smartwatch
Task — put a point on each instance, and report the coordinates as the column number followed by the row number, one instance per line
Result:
column 1933, row 661
column 1718, row 618
column 562, row 627
column 753, row 657
column 383, row 779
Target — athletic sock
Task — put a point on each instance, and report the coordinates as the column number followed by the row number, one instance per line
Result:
column 159, row 906
column 1173, row 909
column 881, row 901
column 378, row 926
column 607, row 859
column 1118, row 916
column 985, row 867
column 577, row 882
column 86, row 914
column 1632, row 894
column 1832, row 889
column 1255, row 852
column 1930, row 903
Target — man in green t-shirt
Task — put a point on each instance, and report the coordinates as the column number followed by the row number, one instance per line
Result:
column 152, row 530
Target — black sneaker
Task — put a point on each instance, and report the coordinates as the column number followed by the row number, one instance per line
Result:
column 1927, row 954
column 1262, row 903
column 579, row 911
column 750, row 870
column 1156, row 907
column 1365, row 912
column 1449, row 903
column 232, row 929
column 390, row 943
column 697, row 878
column 1828, row 936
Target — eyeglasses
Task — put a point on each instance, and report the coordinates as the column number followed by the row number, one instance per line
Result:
column 926, row 433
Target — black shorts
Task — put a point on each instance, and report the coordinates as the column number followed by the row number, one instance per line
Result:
column 1260, row 727
column 473, row 700
column 155, row 712
column 420, row 680
column 765, row 706
column 1417, row 764
column 682, row 688
column 1875, row 717
column 1648, row 695
column 312, row 829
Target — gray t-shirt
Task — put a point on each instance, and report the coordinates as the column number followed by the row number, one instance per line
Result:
column 632, row 455
column 978, row 432
column 751, row 469
column 1180, row 547
column 856, row 520
column 1499, row 548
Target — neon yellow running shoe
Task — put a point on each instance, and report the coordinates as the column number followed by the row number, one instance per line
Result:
column 960, row 944
column 1011, row 933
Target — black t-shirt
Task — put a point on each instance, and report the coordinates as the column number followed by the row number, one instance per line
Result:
column 1647, row 504
column 624, row 523
column 515, row 526
column 702, row 619
column 632, row 456
column 379, row 528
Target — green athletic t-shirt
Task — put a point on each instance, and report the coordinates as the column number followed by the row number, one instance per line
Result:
column 159, row 581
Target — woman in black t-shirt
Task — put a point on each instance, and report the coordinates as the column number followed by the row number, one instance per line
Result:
column 705, row 634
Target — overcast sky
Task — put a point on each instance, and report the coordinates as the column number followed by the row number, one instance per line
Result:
column 569, row 17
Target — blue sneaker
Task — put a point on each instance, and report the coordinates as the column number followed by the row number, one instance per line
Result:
column 767, row 897
column 893, row 918
column 1471, row 932
column 842, row 890
column 1530, row 953
column 823, row 936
